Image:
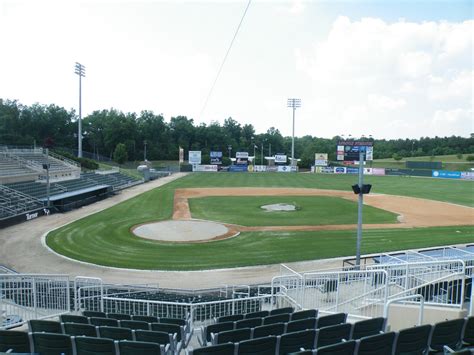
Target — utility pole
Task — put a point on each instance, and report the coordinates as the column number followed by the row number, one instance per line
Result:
column 359, row 207
column 261, row 156
column 81, row 71
column 293, row 103
column 144, row 153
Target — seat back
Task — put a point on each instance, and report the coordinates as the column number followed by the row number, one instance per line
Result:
column 345, row 348
column 148, row 319
column 412, row 340
column 47, row 326
column 248, row 323
column 232, row 336
column 277, row 318
column 168, row 328
column 217, row 328
column 119, row 316
column 301, row 324
column 99, row 321
column 93, row 346
column 333, row 334
column 115, row 333
column 94, row 314
column 15, row 340
column 51, row 343
column 307, row 313
column 468, row 333
column 230, row 318
column 71, row 318
column 134, row 324
column 127, row 347
column 267, row 330
column 259, row 346
column 176, row 321
column 446, row 333
column 258, row 314
column 221, row 349
column 153, row 337
column 376, row 344
column 332, row 319
column 283, row 310
column 77, row 329
column 368, row 327
column 293, row 342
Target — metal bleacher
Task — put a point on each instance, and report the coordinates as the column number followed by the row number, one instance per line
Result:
column 13, row 202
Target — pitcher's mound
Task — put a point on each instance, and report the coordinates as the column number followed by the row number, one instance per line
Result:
column 180, row 231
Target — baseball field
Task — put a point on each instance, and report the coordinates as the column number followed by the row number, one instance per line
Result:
column 400, row 213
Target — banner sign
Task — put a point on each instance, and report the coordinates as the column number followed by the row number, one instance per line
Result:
column 260, row 168
column 287, row 169
column 205, row 168
column 368, row 171
column 242, row 158
column 238, row 168
column 378, row 171
column 349, row 150
column 181, row 155
column 194, row 157
column 467, row 175
column 272, row 168
column 446, row 174
column 339, row 170
column 320, row 159
column 216, row 158
column 352, row 170
column 280, row 159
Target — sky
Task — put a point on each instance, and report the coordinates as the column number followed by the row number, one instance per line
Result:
column 390, row 69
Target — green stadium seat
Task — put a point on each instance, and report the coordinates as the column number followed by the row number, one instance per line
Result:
column 99, row 321
column 301, row 324
column 231, row 336
column 47, row 326
column 93, row 346
column 222, row 349
column 14, row 340
column 51, row 344
column 283, row 310
column 205, row 337
column 258, row 314
column 446, row 333
column 277, row 318
column 368, row 327
column 79, row 329
column 307, row 313
column 333, row 334
column 127, row 347
column 177, row 321
column 148, row 319
column 344, row 348
column 71, row 318
column 293, row 342
column 267, row 330
column 231, row 318
column 115, row 333
column 376, row 344
column 332, row 319
column 412, row 340
column 248, row 323
column 134, row 324
column 94, row 314
column 468, row 332
column 155, row 337
column 259, row 346
column 176, row 332
column 119, row 316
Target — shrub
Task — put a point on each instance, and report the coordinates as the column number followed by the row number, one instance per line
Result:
column 120, row 153
column 397, row 157
column 470, row 158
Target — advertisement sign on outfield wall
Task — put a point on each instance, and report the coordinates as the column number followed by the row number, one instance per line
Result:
column 242, row 158
column 378, row 171
column 320, row 159
column 205, row 168
column 238, row 168
column 216, row 157
column 339, row 170
column 446, row 174
column 467, row 175
column 260, row 168
column 280, row 158
column 287, row 169
column 194, row 157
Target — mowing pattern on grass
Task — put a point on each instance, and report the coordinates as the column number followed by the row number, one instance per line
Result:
column 105, row 238
column 311, row 211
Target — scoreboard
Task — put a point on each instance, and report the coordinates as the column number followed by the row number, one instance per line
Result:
column 350, row 150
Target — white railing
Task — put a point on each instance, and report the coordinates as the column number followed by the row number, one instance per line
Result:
column 30, row 296
column 406, row 298
column 88, row 293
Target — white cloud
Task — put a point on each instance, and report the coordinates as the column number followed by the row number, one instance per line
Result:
column 394, row 76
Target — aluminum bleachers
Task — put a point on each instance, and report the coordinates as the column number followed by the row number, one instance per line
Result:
column 13, row 202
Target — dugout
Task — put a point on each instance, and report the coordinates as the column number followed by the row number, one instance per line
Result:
column 70, row 200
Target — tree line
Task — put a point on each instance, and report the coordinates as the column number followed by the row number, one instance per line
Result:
column 104, row 130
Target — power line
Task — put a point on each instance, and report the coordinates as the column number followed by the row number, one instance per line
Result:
column 225, row 58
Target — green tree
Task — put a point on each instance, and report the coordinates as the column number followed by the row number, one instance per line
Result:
column 120, row 153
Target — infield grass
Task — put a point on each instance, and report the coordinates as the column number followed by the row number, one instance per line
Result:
column 311, row 211
column 104, row 237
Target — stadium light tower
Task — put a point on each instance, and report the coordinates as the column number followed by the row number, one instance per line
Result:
column 293, row 103
column 80, row 70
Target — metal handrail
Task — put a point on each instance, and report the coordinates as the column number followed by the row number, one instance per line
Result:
column 422, row 305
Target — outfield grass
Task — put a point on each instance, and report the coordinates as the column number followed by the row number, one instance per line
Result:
column 311, row 211
column 104, row 238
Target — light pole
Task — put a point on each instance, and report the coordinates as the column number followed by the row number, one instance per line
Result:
column 81, row 71
column 144, row 153
column 261, row 156
column 229, row 147
column 413, row 148
column 293, row 103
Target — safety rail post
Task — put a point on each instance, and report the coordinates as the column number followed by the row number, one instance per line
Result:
column 35, row 306
column 422, row 305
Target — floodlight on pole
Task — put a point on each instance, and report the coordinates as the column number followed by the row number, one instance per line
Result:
column 293, row 103
column 80, row 70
